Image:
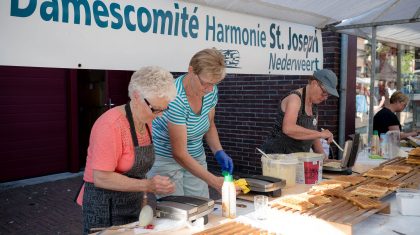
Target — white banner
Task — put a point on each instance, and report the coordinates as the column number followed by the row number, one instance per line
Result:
column 128, row 34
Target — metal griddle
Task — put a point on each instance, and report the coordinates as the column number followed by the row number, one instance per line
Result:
column 187, row 208
column 265, row 184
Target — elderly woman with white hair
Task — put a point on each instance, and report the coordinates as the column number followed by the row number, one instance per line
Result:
column 121, row 152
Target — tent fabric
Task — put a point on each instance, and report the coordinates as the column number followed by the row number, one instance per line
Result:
column 407, row 34
column 319, row 13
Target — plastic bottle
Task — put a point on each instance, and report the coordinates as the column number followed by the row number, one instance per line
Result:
column 375, row 148
column 384, row 146
column 228, row 196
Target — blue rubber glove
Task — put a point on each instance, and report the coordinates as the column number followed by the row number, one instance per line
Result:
column 224, row 161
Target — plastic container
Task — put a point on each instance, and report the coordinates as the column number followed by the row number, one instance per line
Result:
column 375, row 148
column 384, row 146
column 281, row 166
column 309, row 168
column 408, row 201
column 228, row 196
column 393, row 138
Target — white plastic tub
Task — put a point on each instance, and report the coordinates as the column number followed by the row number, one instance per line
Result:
column 408, row 201
column 280, row 166
column 309, row 168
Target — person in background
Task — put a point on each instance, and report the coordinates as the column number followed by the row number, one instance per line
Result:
column 121, row 152
column 385, row 120
column 382, row 98
column 295, row 128
column 391, row 88
column 179, row 133
column 362, row 103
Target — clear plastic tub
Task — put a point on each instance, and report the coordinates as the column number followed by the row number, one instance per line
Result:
column 309, row 168
column 408, row 201
column 280, row 166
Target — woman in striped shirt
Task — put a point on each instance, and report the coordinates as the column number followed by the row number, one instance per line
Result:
column 178, row 134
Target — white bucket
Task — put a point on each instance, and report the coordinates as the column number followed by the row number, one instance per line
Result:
column 280, row 166
column 309, row 168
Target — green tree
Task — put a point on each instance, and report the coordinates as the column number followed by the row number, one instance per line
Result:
column 407, row 63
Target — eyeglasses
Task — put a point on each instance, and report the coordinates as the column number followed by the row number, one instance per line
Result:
column 206, row 84
column 324, row 91
column 154, row 110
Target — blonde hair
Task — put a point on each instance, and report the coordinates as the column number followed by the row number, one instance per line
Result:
column 398, row 96
column 210, row 62
column 152, row 81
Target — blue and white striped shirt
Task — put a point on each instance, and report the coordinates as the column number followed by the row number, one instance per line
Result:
column 180, row 113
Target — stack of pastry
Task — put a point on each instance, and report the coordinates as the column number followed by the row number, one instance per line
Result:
column 319, row 188
column 370, row 190
column 398, row 168
column 338, row 193
column 414, row 156
column 359, row 200
column 301, row 202
column 365, row 202
column 294, row 202
column 314, row 199
column 383, row 174
column 343, row 184
column 352, row 179
column 392, row 186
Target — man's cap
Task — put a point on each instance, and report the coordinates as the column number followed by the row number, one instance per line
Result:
column 328, row 80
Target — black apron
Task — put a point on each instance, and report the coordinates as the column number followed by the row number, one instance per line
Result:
column 103, row 207
column 278, row 142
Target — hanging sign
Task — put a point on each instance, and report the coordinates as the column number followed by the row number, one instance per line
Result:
column 128, row 34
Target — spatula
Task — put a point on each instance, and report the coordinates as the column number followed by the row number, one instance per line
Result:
column 265, row 155
column 338, row 146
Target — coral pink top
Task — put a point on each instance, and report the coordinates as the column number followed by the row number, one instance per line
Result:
column 110, row 146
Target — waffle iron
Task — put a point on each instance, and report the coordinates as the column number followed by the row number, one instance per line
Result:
column 187, row 208
column 267, row 185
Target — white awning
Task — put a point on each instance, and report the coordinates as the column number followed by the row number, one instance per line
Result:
column 392, row 21
column 316, row 13
column 320, row 13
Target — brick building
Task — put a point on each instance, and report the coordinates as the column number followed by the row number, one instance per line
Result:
column 248, row 105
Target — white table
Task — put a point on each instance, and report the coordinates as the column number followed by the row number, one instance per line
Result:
column 289, row 223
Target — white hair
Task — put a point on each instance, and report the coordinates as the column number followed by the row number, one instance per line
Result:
column 152, row 82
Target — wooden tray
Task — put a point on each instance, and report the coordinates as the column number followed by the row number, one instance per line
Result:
column 234, row 228
column 339, row 211
column 343, row 214
column 411, row 179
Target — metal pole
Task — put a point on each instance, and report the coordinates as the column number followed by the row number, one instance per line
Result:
column 343, row 91
column 372, row 82
column 399, row 57
column 398, row 84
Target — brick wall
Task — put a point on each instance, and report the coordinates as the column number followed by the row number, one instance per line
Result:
column 247, row 108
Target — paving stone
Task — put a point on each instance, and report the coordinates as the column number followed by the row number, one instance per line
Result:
column 44, row 208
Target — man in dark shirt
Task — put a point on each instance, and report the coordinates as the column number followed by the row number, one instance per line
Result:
column 385, row 120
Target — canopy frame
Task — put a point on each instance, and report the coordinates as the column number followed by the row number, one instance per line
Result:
column 373, row 26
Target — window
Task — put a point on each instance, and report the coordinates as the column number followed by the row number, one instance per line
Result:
column 387, row 82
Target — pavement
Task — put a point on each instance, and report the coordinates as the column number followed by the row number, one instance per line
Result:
column 44, row 205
